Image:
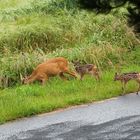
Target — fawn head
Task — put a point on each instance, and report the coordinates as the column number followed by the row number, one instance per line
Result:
column 116, row 77
column 76, row 63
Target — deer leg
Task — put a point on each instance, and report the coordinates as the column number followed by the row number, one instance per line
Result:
column 81, row 76
column 62, row 76
column 92, row 73
column 123, row 86
column 70, row 73
column 138, row 89
column 44, row 79
column 96, row 75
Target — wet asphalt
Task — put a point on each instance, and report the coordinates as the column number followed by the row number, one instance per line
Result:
column 114, row 119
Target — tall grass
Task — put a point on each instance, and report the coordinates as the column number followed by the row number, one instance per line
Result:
column 9, row 4
column 33, row 34
column 48, row 33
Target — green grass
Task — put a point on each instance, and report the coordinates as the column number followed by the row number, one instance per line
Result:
column 27, row 100
column 7, row 4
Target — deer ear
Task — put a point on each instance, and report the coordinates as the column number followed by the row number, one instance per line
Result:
column 21, row 77
column 84, row 61
column 75, row 62
column 116, row 73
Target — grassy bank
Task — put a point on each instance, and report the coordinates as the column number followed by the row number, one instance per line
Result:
column 23, row 101
column 33, row 31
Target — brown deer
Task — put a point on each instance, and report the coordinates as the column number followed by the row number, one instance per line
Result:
column 86, row 69
column 125, row 77
column 52, row 67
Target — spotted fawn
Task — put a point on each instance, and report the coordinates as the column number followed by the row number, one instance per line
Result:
column 125, row 77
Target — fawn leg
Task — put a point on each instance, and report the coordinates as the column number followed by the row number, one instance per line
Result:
column 138, row 89
column 81, row 76
column 96, row 75
column 62, row 76
column 123, row 86
column 93, row 74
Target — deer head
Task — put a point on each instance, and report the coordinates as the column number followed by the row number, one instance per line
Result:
column 116, row 76
column 76, row 62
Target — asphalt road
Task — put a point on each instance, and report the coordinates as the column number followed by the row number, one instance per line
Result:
column 113, row 119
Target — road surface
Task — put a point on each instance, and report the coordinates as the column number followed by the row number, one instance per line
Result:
column 117, row 118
